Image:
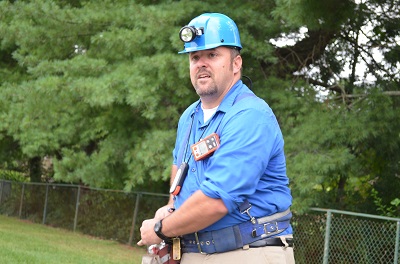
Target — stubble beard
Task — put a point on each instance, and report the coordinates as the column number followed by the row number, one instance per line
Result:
column 209, row 88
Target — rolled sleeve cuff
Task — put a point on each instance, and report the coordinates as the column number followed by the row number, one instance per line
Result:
column 213, row 191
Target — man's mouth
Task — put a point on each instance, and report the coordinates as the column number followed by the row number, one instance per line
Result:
column 203, row 75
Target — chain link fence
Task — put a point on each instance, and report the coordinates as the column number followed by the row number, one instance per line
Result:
column 337, row 237
column 107, row 214
column 321, row 236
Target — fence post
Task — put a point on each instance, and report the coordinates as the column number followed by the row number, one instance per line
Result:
column 45, row 204
column 1, row 190
column 78, row 197
column 396, row 247
column 135, row 212
column 22, row 200
column 327, row 237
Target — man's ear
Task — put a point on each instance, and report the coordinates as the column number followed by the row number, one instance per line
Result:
column 237, row 64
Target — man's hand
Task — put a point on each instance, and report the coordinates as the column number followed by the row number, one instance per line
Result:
column 149, row 237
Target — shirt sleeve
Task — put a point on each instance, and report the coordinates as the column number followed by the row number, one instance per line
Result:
column 249, row 140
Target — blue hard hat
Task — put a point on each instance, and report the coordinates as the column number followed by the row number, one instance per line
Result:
column 209, row 31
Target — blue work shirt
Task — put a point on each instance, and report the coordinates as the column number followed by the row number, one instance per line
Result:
column 249, row 163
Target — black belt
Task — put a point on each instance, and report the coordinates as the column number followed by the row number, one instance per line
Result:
column 272, row 242
column 266, row 242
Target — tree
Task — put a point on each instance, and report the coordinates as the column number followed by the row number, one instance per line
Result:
column 346, row 147
column 97, row 86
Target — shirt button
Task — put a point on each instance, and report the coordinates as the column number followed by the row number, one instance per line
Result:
column 193, row 169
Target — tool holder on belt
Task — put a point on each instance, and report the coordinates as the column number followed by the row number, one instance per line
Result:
column 159, row 254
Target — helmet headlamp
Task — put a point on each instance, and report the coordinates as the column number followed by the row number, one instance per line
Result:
column 189, row 33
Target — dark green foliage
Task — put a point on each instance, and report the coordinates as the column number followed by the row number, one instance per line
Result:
column 106, row 214
column 61, row 206
column 10, row 198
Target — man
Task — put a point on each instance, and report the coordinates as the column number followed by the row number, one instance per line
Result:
column 233, row 205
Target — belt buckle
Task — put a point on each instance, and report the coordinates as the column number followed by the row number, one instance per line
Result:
column 269, row 224
column 198, row 243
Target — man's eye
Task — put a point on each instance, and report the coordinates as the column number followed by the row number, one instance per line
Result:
column 212, row 55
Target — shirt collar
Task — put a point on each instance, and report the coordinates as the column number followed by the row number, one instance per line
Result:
column 230, row 97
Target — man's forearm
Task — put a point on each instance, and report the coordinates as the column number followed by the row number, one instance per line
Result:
column 196, row 213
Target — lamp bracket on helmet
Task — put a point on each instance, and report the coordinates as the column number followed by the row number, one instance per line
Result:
column 189, row 33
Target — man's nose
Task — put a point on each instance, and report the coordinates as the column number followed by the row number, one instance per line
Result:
column 202, row 62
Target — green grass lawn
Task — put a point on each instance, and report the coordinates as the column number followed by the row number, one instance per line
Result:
column 25, row 242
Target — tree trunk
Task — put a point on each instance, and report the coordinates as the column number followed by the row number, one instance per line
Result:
column 35, row 169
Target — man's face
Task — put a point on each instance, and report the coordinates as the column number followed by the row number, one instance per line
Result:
column 212, row 72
